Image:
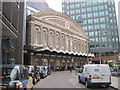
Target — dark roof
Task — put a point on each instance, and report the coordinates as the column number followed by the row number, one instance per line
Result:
column 41, row 6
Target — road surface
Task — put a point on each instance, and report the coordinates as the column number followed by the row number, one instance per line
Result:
column 63, row 79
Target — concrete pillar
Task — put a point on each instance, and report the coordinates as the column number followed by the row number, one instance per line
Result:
column 66, row 64
column 1, row 34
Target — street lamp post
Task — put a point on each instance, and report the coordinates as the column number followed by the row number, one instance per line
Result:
column 99, row 41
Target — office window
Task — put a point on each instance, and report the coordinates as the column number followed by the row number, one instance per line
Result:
column 63, row 11
column 86, row 33
column 104, row 39
column 85, row 28
column 96, row 33
column 68, row 12
column 102, row 19
column 96, row 20
column 103, row 26
column 106, row 12
column 110, row 15
column 111, row 21
column 82, row 4
column 102, row 13
column 90, row 27
column 89, row 9
column 111, row 26
column 109, row 3
column 110, row 9
column 72, row 12
column 95, row 8
column 101, row 7
column 88, row 3
column 89, row 15
column 90, row 21
column 96, row 39
column 113, row 39
column 106, row 7
column 113, row 9
column 115, row 27
column 116, row 39
column 84, row 16
column 95, row 14
column 77, row 5
column 92, row 39
column 97, row 27
column 73, row 17
column 71, row 6
column 83, row 10
column 78, row 11
column 109, row 39
column 67, row 7
column 113, row 14
column 85, row 22
column 91, row 34
column 107, row 19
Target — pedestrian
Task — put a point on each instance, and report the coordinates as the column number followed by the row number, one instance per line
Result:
column 57, row 68
column 70, row 69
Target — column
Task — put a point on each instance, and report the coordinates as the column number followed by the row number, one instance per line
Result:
column 1, row 33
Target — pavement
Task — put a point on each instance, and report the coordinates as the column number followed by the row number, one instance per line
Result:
column 115, row 82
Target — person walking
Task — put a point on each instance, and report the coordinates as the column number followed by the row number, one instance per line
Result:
column 70, row 69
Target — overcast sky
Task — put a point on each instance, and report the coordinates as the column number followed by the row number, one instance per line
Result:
column 57, row 5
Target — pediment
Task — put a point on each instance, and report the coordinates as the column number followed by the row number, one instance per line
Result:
column 61, row 20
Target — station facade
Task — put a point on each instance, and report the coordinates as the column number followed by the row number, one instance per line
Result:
column 55, row 39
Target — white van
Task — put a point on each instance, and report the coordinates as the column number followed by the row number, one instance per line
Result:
column 92, row 74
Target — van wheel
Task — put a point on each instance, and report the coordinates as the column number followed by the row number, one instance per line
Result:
column 106, row 86
column 87, row 84
column 79, row 79
column 34, row 81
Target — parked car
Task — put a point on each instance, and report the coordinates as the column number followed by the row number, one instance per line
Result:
column 43, row 71
column 15, row 77
column 95, row 74
column 34, row 73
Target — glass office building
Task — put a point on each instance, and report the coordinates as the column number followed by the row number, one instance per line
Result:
column 98, row 19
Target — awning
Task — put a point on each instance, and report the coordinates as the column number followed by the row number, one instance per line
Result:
column 115, row 65
column 110, row 61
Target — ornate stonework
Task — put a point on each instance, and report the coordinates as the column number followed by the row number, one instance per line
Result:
column 63, row 28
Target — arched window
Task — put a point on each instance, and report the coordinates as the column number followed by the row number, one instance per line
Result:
column 44, row 37
column 57, row 40
column 37, row 36
column 82, row 47
column 79, row 46
column 67, row 42
column 75, row 48
column 71, row 44
column 63, row 41
column 51, row 39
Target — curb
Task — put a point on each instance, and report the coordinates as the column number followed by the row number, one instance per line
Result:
column 114, row 88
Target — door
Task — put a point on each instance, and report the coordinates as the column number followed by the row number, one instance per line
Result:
column 101, row 74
